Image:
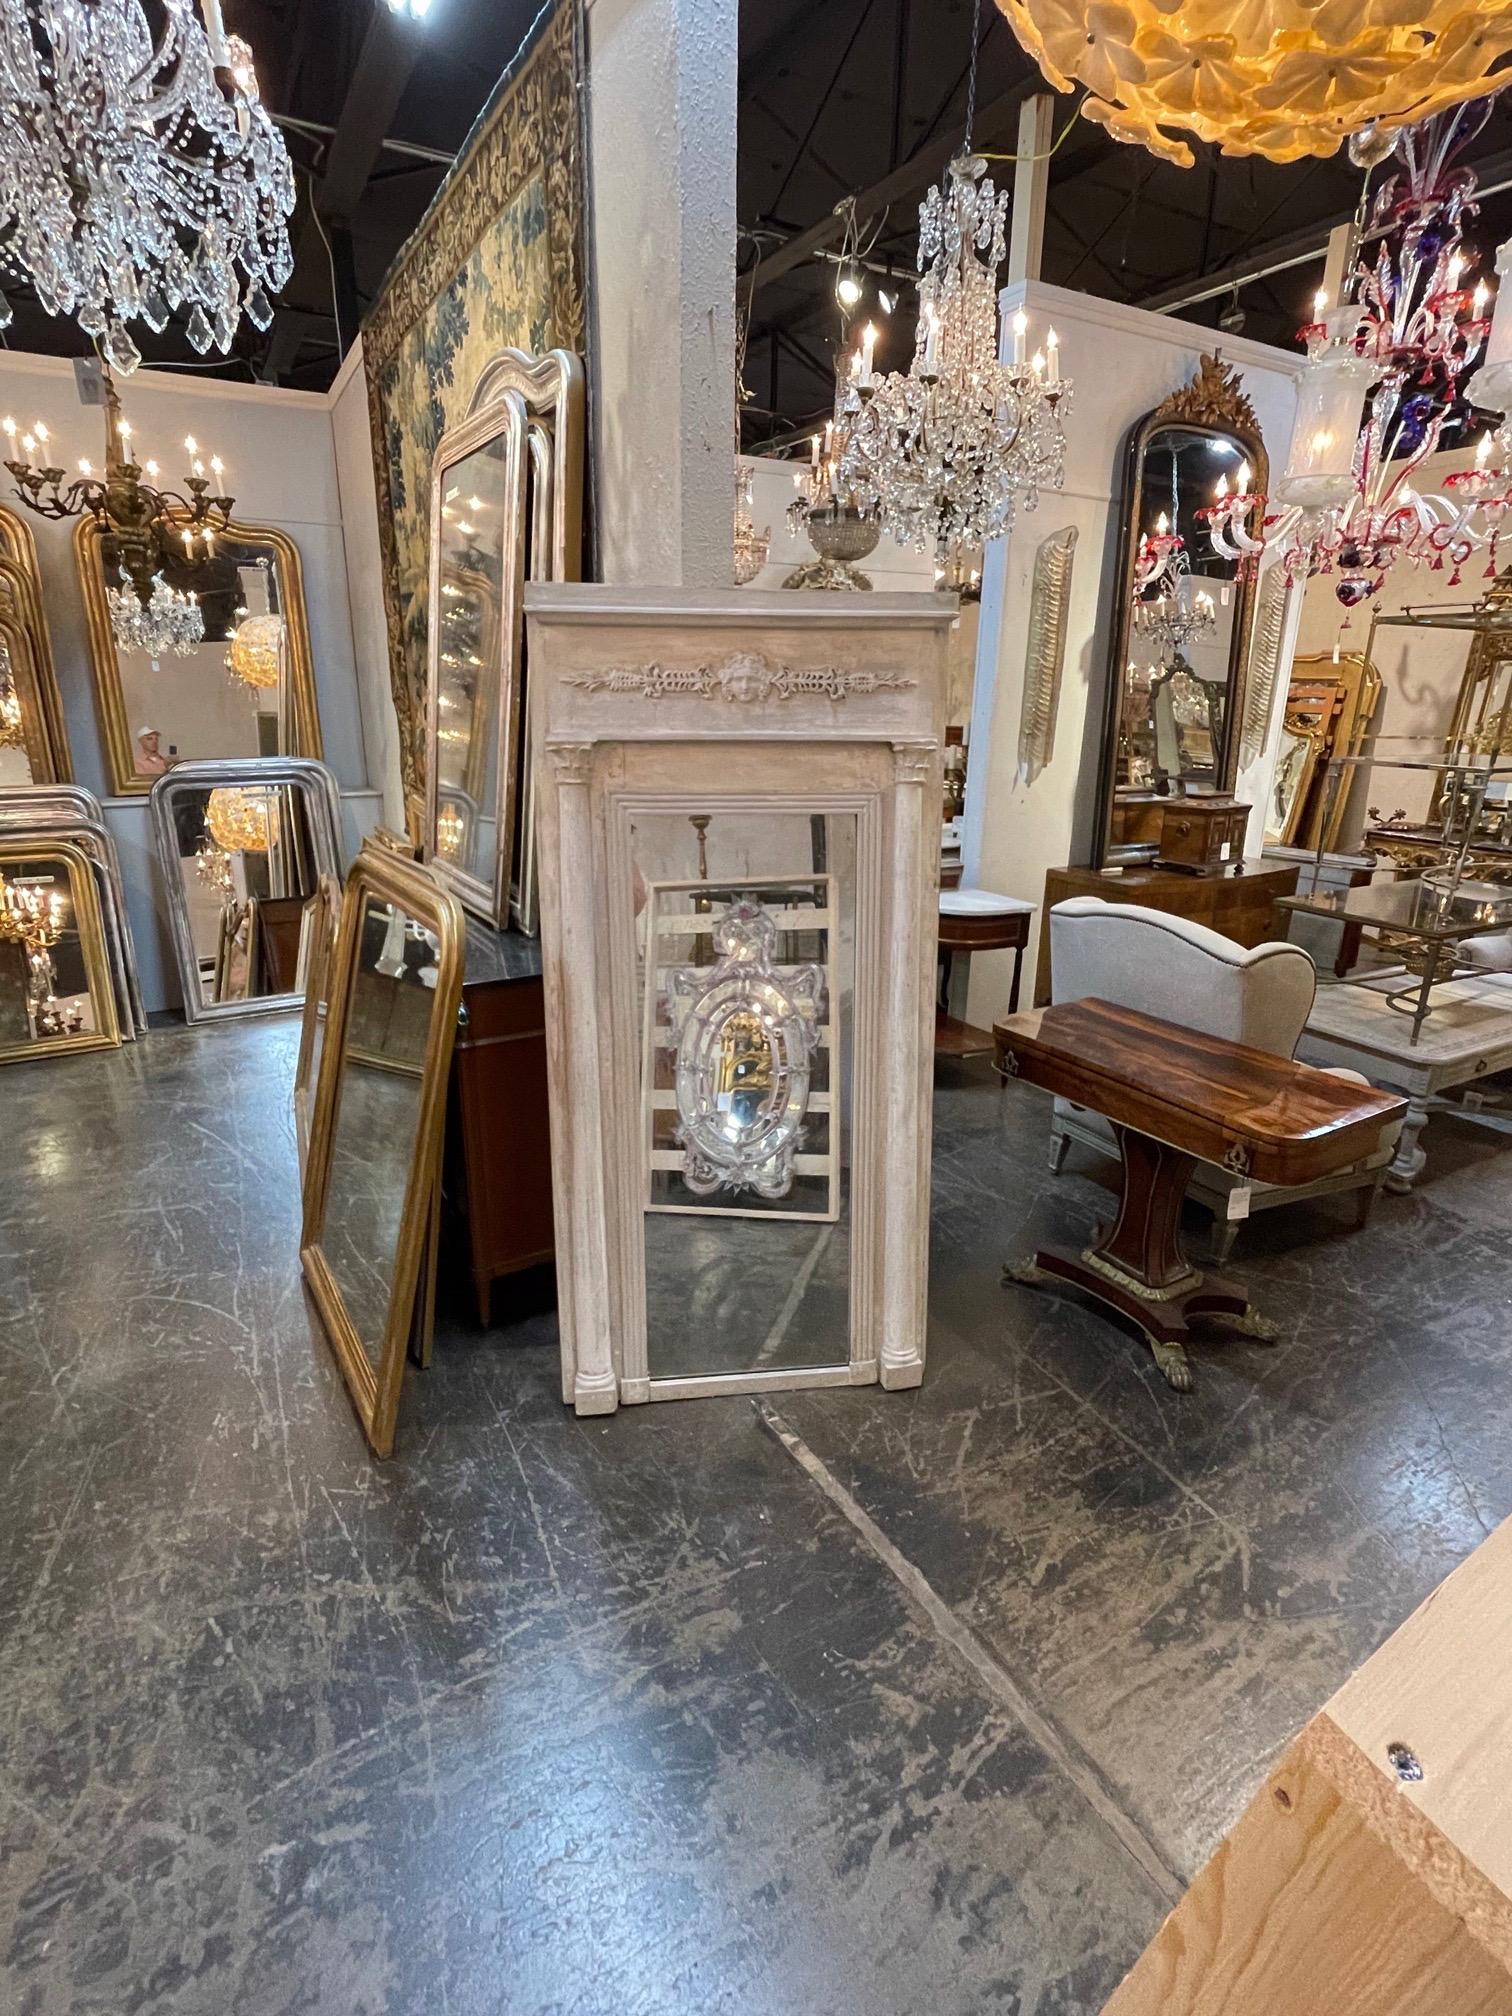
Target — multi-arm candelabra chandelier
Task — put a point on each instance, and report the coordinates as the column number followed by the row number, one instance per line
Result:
column 948, row 449
column 34, row 919
column 1348, row 503
column 139, row 174
column 141, row 525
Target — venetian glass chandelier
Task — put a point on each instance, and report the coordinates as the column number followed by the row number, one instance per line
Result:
column 139, row 174
column 948, row 449
column 239, row 821
column 1414, row 322
column 1281, row 78
column 255, row 653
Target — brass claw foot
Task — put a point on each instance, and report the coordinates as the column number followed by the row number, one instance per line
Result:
column 1172, row 1360
column 1025, row 1273
column 1253, row 1324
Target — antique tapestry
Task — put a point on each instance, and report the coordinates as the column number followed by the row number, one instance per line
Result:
column 497, row 260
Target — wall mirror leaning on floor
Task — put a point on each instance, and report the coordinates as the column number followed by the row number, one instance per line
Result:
column 380, row 1104
column 1179, row 648
column 56, row 993
column 317, row 953
column 242, row 848
column 33, row 738
column 246, row 688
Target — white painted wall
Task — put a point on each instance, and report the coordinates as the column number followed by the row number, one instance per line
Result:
column 1123, row 361
column 661, row 162
column 281, row 467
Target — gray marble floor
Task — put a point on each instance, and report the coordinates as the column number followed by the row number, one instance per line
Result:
column 567, row 1718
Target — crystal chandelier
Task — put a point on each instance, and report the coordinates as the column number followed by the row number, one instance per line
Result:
column 947, row 450
column 239, row 821
column 12, row 721
column 171, row 621
column 1170, row 609
column 29, row 917
column 1280, row 78
column 751, row 546
column 139, row 174
column 140, row 524
column 1348, row 503
column 212, row 865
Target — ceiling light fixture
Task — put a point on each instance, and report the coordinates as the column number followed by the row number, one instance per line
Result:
column 139, row 174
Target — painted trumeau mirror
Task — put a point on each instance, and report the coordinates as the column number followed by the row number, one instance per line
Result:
column 1181, row 634
column 246, row 689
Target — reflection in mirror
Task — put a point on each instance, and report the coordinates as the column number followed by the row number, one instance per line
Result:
column 1179, row 650
column 55, row 987
column 471, row 546
column 16, row 761
column 237, row 683
column 317, row 952
column 378, row 1111
column 242, row 847
column 746, row 938
column 374, row 1154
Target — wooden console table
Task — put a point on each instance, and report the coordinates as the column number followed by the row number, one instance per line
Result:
column 1241, row 904
column 1176, row 1097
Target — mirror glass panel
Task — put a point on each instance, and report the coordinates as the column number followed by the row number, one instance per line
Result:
column 17, row 763
column 745, row 934
column 470, row 577
column 247, row 867
column 380, row 1077
column 49, row 973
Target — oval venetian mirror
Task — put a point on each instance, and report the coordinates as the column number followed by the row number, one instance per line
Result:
column 743, row 1059
column 1181, row 638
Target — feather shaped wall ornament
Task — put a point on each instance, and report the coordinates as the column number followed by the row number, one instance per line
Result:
column 1264, row 663
column 1045, row 658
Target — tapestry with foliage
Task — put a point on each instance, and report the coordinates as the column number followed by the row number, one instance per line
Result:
column 497, row 260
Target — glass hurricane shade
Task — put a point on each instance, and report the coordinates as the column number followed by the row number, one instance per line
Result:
column 1491, row 386
column 1330, row 403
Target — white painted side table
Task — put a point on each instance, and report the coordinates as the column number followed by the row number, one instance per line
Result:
column 1467, row 1036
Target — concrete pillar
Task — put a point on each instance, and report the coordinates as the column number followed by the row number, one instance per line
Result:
column 662, row 86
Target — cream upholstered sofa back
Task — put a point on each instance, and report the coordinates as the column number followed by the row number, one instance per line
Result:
column 1183, row 972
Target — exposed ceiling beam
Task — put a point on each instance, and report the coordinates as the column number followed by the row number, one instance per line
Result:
column 916, row 173
column 390, row 49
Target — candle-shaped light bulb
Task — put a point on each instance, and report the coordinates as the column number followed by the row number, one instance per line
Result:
column 1320, row 304
column 86, row 467
column 218, row 467
column 1243, row 479
column 124, row 430
column 1456, row 267
column 209, row 543
column 1162, row 526
column 1052, row 351
column 1037, row 363
column 868, row 351
column 188, row 543
column 191, row 445
column 150, row 469
column 815, row 457
column 199, row 467
column 40, row 430
column 29, row 443
column 1479, row 299
column 9, row 425
column 1020, row 332
column 1220, row 489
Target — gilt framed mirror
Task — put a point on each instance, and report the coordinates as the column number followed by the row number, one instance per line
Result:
column 56, row 994
column 317, row 953
column 242, row 847
column 1181, row 633
column 477, row 560
column 245, row 689
column 33, row 736
column 380, row 1108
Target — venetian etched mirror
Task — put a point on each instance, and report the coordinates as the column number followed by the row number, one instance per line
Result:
column 244, row 689
column 1181, row 633
column 56, row 993
column 242, row 848
column 380, row 1104
column 746, row 952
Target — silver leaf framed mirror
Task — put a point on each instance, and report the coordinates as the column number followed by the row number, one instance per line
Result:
column 242, row 847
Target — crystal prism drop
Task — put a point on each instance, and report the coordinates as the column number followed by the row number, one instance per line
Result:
column 199, row 332
column 155, row 312
column 7, row 313
column 121, row 354
column 259, row 307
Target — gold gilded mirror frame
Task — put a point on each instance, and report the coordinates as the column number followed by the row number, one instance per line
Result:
column 416, row 892
column 17, row 853
column 485, row 893
column 110, row 698
column 1213, row 403
column 21, row 601
column 18, row 659
column 317, row 956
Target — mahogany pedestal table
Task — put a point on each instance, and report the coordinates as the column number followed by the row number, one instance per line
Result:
column 1174, row 1098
